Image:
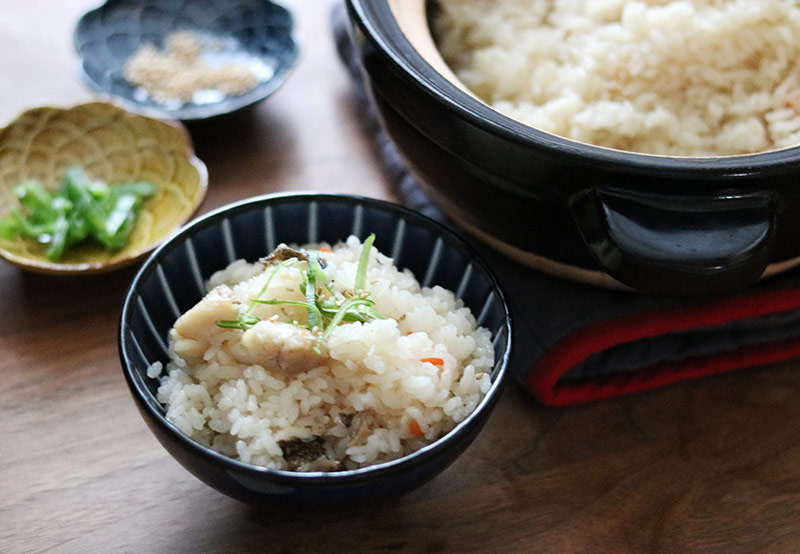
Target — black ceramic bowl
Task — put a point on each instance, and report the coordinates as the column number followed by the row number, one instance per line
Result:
column 172, row 280
column 107, row 36
column 660, row 224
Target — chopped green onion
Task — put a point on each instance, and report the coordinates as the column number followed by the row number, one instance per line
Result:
column 245, row 321
column 119, row 213
column 369, row 311
column 33, row 196
column 312, row 307
column 337, row 319
column 322, row 276
column 363, row 260
column 58, row 241
column 314, row 315
column 27, row 228
column 269, row 280
column 79, row 209
column 77, row 188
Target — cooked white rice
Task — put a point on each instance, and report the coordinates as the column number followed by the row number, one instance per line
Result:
column 370, row 396
column 671, row 77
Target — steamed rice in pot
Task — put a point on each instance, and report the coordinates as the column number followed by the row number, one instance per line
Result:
column 375, row 391
column 681, row 77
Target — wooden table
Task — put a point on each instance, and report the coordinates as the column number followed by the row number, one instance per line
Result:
column 709, row 466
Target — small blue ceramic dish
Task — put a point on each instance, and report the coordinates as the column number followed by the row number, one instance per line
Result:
column 256, row 31
column 172, row 280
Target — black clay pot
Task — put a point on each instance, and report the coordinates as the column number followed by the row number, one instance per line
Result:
column 666, row 225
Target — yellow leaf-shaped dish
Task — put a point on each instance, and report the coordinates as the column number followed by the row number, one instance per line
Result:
column 112, row 145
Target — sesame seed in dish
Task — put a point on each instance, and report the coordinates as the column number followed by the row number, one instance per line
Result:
column 194, row 68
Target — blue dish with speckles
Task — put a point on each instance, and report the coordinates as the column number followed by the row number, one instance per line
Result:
column 172, row 280
column 107, row 36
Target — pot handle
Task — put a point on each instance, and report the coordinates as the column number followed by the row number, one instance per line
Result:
column 677, row 244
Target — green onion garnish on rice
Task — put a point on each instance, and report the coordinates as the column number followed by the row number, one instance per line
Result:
column 324, row 314
column 363, row 260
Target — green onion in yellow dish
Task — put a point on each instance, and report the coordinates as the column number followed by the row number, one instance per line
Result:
column 79, row 210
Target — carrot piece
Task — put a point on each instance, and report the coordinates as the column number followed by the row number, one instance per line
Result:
column 414, row 428
column 434, row 361
column 328, row 250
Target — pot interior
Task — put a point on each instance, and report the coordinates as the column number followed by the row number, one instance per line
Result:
column 412, row 18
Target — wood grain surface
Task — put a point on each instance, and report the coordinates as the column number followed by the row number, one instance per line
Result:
column 711, row 466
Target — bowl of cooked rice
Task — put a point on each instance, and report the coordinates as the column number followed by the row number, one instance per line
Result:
column 314, row 349
column 645, row 145
column 186, row 60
